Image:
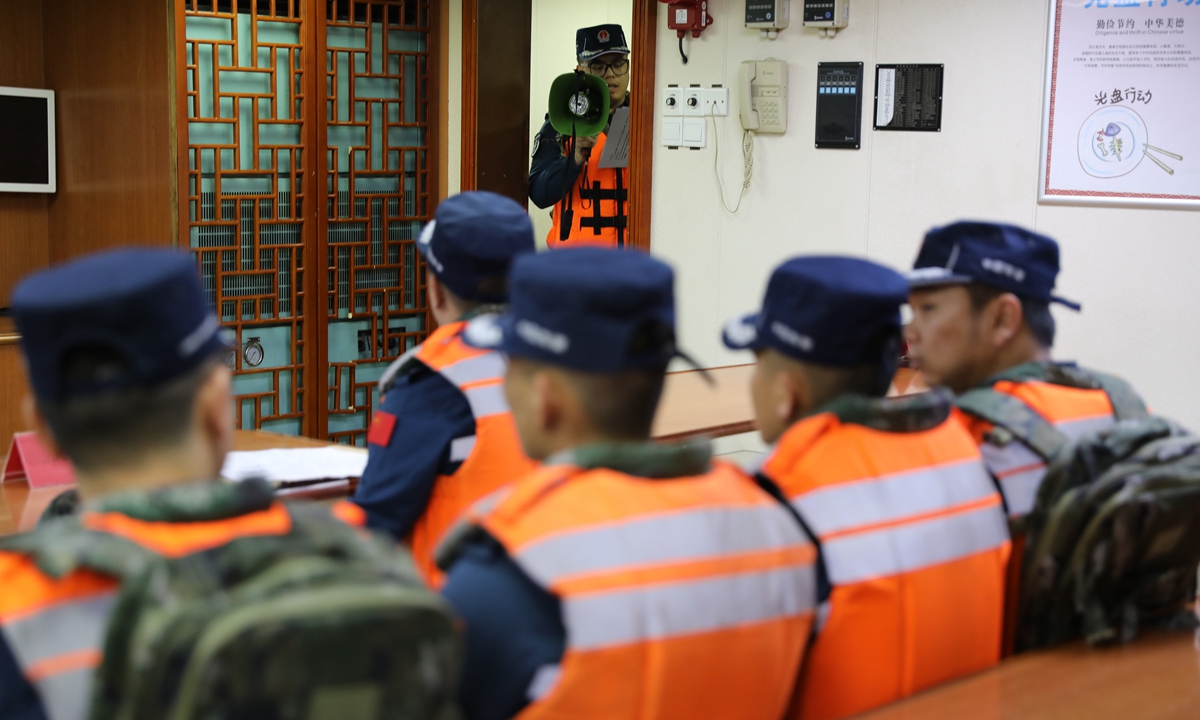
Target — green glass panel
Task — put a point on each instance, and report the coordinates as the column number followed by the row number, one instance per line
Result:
column 244, row 185
column 245, row 82
column 285, row 392
column 210, row 133
column 283, row 85
column 283, row 33
column 407, row 41
column 376, row 184
column 343, row 137
column 206, row 81
column 343, row 86
column 384, row 88
column 252, row 383
column 226, row 108
column 345, row 37
column 264, row 57
column 208, row 28
column 288, row 426
column 377, row 148
column 225, row 55
column 247, row 414
column 344, row 339
column 245, row 134
column 227, row 160
column 245, row 40
column 346, row 423
column 406, row 137
column 377, row 48
column 278, row 134
column 264, row 159
column 267, row 406
column 410, row 88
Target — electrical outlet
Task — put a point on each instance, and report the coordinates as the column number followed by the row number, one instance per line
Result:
column 693, row 101
column 672, row 101
column 716, row 101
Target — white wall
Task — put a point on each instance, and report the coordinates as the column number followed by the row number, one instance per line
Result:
column 1135, row 271
column 454, row 100
column 552, row 53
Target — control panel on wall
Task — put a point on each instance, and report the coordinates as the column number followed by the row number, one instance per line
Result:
column 767, row 14
column 763, row 96
column 826, row 13
column 839, row 105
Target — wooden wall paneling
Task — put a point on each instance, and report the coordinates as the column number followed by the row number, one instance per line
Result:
column 316, row 253
column 470, row 96
column 641, row 134
column 13, row 385
column 439, row 103
column 109, row 65
column 502, row 98
column 23, row 230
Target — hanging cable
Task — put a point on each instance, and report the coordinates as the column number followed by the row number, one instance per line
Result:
column 685, row 58
column 747, row 163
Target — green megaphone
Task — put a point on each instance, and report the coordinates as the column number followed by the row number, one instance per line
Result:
column 578, row 104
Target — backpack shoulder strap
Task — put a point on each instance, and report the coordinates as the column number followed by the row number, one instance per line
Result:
column 1126, row 403
column 1016, row 417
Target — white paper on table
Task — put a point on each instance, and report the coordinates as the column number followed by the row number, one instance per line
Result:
column 295, row 464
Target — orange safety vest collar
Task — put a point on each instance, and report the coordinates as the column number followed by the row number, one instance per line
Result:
column 914, row 542
column 491, row 458
column 682, row 597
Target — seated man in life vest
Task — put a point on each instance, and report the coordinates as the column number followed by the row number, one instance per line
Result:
column 590, row 203
column 981, row 326
column 625, row 578
column 443, row 437
column 913, row 542
column 130, row 384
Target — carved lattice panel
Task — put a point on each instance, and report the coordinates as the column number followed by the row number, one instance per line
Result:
column 378, row 197
column 245, row 158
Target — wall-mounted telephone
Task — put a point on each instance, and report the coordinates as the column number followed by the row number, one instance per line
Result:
column 763, row 96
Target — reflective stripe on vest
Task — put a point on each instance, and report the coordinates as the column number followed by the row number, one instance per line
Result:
column 599, row 202
column 1073, row 411
column 915, row 545
column 491, row 458
column 704, row 578
column 905, row 521
column 58, row 647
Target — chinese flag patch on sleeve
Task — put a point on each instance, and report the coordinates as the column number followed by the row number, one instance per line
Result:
column 381, row 429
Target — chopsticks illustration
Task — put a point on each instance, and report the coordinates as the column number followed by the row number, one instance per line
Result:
column 1158, row 162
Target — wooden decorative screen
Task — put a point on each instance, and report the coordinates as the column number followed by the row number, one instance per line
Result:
column 252, row 69
column 246, row 212
column 378, row 196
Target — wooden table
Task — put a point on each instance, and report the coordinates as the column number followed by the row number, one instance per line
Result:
column 1156, row 677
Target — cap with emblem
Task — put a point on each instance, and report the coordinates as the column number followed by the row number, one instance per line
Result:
column 144, row 306
column 1007, row 257
column 832, row 311
column 592, row 42
column 589, row 309
column 471, row 243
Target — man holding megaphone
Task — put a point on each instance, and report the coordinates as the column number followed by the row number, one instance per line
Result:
column 590, row 202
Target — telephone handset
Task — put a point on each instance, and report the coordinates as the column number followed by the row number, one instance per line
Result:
column 763, row 95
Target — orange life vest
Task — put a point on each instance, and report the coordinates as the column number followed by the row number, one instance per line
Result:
column 56, row 627
column 1019, row 470
column 914, row 544
column 492, row 458
column 688, row 597
column 599, row 204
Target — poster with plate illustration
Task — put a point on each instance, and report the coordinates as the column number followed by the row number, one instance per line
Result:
column 1122, row 110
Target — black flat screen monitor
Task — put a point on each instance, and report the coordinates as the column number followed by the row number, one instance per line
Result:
column 27, row 140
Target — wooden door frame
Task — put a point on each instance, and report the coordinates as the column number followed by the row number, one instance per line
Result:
column 641, row 141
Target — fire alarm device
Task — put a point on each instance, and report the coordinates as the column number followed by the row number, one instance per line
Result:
column 769, row 16
column 684, row 16
column 828, row 16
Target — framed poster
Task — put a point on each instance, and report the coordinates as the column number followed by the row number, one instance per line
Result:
column 1122, row 104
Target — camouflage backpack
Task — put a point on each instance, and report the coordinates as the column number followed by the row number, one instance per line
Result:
column 1113, row 540
column 325, row 622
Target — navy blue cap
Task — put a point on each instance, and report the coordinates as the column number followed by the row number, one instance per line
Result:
column 832, row 311
column 592, row 42
column 471, row 242
column 586, row 308
column 1007, row 257
column 145, row 305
